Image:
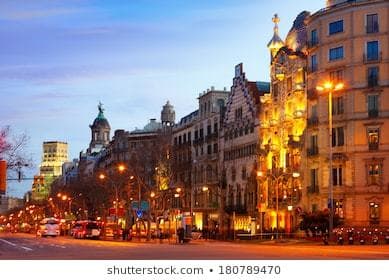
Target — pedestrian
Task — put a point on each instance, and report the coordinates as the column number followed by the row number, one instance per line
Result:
column 125, row 232
column 181, row 234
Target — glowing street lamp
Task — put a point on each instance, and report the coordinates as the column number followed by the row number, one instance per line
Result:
column 121, row 167
column 330, row 87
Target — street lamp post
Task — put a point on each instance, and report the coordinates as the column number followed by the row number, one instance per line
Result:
column 330, row 87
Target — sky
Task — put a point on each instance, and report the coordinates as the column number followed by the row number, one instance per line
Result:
column 59, row 59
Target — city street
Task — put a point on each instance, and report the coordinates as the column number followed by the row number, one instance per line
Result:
column 25, row 246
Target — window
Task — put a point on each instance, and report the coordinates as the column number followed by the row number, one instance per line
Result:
column 337, row 136
column 244, row 174
column 233, row 174
column 314, row 38
column 314, row 188
column 201, row 133
column 335, row 27
column 339, row 208
column 209, row 149
column 372, row 23
column 374, row 212
column 289, row 84
column 373, row 138
column 337, row 105
column 313, row 63
column 209, row 130
column 372, row 51
column 238, row 113
column 374, row 173
column 336, row 53
column 337, row 176
column 336, row 76
column 215, row 127
column 372, row 76
column 314, row 111
column 313, row 149
column 215, row 148
column 372, row 105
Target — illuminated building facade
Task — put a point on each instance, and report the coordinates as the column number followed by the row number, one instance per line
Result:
column 206, row 192
column 282, row 126
column 348, row 43
column 55, row 154
column 238, row 162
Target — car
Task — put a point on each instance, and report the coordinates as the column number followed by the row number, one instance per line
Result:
column 86, row 229
column 48, row 227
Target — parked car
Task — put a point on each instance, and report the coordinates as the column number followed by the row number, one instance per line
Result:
column 86, row 229
column 48, row 227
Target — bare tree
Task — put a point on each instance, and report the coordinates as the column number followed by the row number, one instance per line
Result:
column 13, row 149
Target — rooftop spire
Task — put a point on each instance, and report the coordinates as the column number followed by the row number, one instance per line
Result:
column 276, row 42
column 276, row 20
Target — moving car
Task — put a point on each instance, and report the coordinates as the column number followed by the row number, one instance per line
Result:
column 86, row 229
column 48, row 227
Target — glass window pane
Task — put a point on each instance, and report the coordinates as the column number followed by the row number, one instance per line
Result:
column 336, row 27
column 372, row 50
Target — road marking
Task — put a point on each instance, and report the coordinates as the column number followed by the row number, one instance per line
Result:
column 26, row 248
column 13, row 244
column 8, row 242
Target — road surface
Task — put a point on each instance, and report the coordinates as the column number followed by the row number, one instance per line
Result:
column 25, row 247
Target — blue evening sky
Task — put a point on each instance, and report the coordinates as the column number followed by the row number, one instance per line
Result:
column 58, row 59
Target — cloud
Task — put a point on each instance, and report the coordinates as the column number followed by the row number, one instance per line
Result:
column 27, row 15
column 56, row 95
column 43, row 74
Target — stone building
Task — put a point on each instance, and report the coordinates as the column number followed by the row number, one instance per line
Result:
column 182, row 162
column 239, row 141
column 55, row 154
column 282, row 126
column 349, row 50
column 206, row 190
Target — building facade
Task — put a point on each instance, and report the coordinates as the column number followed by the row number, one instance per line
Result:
column 238, row 164
column 282, row 127
column 182, row 164
column 55, row 154
column 348, row 45
column 206, row 189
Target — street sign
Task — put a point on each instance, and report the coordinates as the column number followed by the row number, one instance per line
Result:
column 144, row 205
column 139, row 213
